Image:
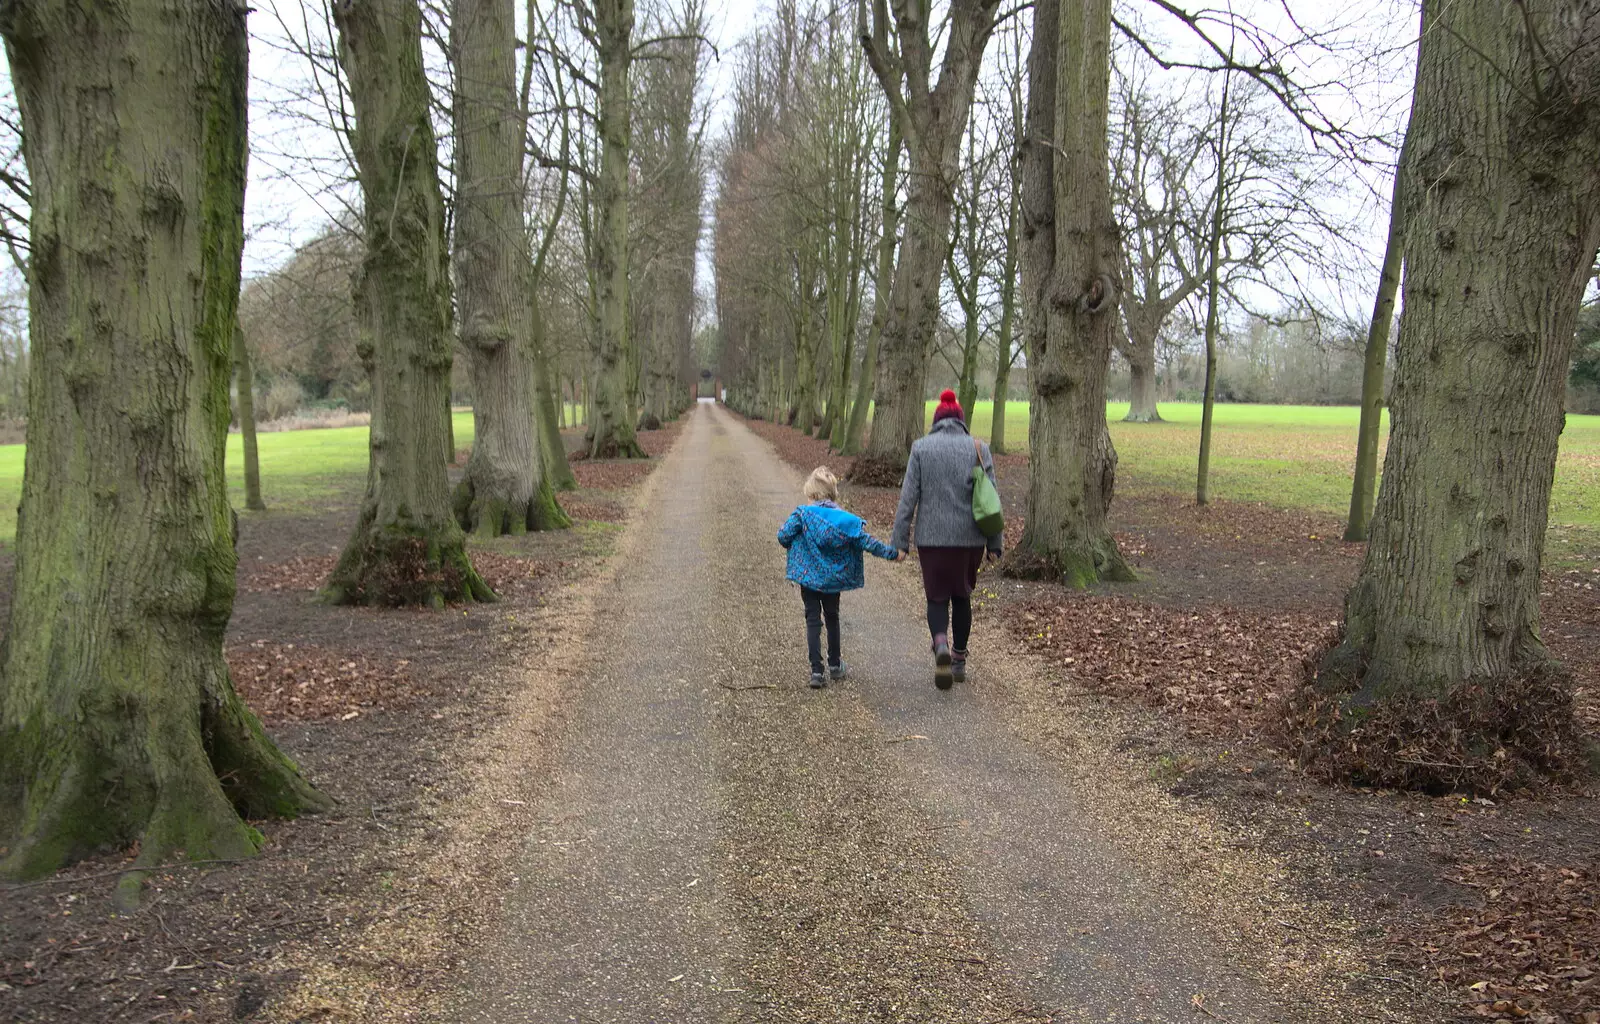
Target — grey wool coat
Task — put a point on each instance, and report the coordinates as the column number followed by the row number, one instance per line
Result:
column 937, row 492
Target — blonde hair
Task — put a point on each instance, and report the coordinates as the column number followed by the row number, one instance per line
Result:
column 822, row 485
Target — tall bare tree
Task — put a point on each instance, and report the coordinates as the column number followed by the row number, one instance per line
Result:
column 504, row 489
column 1364, row 484
column 612, row 422
column 933, row 114
column 1504, row 154
column 406, row 547
column 119, row 725
column 1069, row 267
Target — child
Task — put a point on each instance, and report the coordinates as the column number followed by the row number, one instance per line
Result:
column 825, row 544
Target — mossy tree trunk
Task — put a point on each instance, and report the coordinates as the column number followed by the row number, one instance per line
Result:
column 406, row 547
column 612, row 423
column 1069, row 268
column 118, row 721
column 1504, row 214
column 246, row 384
column 504, row 489
column 934, row 117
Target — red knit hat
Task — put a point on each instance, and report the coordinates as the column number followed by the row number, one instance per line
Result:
column 948, row 407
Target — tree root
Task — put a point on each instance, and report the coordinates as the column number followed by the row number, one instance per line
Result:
column 405, row 563
column 491, row 517
column 1482, row 736
column 876, row 471
column 177, row 779
column 1096, row 561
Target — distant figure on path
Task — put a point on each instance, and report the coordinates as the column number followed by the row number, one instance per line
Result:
column 825, row 545
column 937, row 494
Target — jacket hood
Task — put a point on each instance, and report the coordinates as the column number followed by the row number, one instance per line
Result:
column 830, row 526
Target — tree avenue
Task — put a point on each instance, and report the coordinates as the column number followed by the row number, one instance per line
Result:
column 119, row 724
column 504, row 489
column 406, row 547
column 1504, row 215
column 1070, row 297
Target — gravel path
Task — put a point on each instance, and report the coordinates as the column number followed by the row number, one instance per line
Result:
column 720, row 843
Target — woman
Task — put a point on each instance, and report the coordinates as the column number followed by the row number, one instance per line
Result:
column 937, row 494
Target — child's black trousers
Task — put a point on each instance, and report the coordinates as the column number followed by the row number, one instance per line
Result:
column 821, row 608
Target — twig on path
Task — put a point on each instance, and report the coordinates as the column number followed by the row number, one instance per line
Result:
column 1385, row 977
column 965, row 959
column 1198, row 1001
column 906, row 738
column 750, row 686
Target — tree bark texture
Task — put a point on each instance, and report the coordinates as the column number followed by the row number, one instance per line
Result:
column 406, row 547
column 246, row 384
column 936, row 118
column 504, row 489
column 1504, row 215
column 612, row 424
column 118, row 721
column 1069, row 268
column 1364, row 488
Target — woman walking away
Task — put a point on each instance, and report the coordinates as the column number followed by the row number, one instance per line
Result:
column 937, row 494
column 825, row 544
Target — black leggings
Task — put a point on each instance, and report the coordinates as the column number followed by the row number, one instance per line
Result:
column 939, row 616
column 820, row 607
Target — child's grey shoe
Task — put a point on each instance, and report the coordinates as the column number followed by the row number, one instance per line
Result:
column 958, row 666
column 837, row 672
column 818, row 680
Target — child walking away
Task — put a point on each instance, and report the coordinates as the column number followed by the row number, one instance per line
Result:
column 825, row 545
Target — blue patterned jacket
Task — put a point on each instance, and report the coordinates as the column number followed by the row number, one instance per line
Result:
column 825, row 545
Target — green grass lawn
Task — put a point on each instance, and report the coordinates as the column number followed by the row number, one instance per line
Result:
column 1288, row 456
column 1296, row 456
column 301, row 470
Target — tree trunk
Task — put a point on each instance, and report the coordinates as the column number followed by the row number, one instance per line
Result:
column 1008, row 283
column 504, row 489
column 1008, row 318
column 1363, row 492
column 1202, row 482
column 612, row 424
column 406, row 547
column 119, row 724
column 247, row 421
column 551, row 409
column 936, row 121
column 1141, row 356
column 1069, row 261
column 882, row 284
column 1505, row 222
column 899, row 410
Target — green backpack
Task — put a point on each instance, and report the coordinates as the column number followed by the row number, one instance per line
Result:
column 985, row 499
